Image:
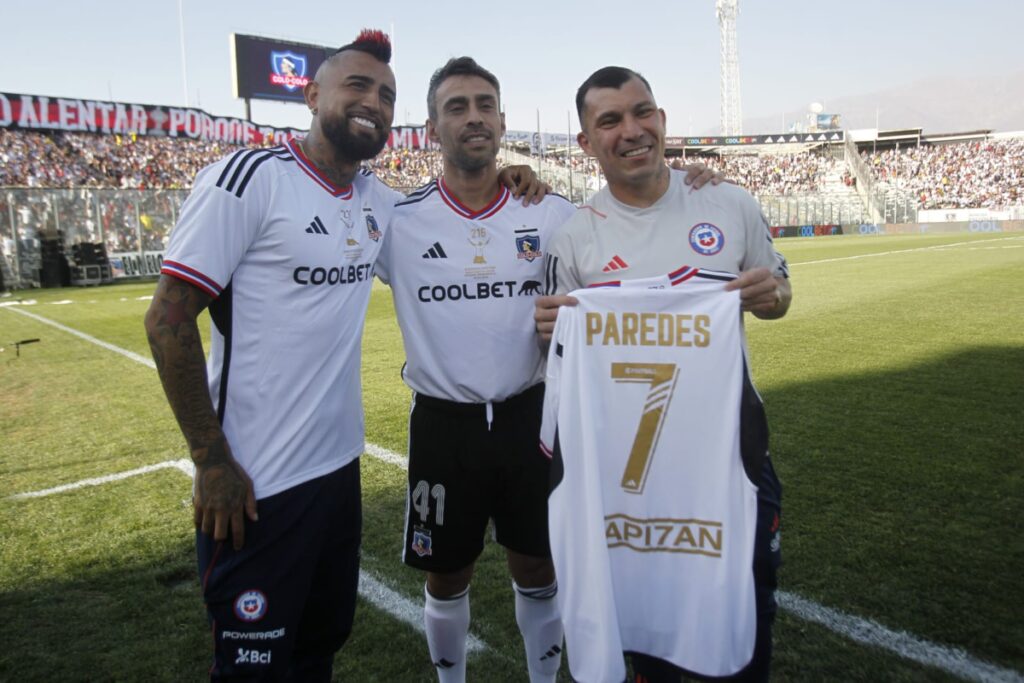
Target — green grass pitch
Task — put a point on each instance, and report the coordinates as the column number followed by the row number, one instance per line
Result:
column 895, row 392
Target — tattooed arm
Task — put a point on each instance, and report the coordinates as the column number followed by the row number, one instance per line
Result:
column 222, row 491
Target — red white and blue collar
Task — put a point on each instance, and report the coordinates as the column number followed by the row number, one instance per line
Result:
column 493, row 207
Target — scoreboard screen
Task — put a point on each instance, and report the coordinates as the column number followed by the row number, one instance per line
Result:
column 269, row 69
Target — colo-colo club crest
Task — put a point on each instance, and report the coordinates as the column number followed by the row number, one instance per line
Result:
column 372, row 229
column 528, row 246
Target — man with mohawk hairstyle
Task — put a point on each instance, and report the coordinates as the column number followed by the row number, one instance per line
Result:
column 280, row 245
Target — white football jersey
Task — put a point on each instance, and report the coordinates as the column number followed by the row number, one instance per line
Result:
column 288, row 258
column 657, row 437
column 464, row 282
column 718, row 227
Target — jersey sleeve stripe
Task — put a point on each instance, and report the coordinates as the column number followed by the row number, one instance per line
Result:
column 192, row 276
column 230, row 186
column 419, row 195
column 551, row 276
column 248, row 175
column 227, row 167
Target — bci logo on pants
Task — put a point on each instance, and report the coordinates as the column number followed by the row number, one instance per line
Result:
column 252, row 657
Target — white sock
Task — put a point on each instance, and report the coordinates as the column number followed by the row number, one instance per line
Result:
column 447, row 624
column 541, row 625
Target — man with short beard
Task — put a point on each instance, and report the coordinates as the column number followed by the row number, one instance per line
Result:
column 464, row 264
column 280, row 244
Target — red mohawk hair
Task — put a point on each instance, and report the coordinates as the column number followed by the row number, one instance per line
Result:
column 373, row 42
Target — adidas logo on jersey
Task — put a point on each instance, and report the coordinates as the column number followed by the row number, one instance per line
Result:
column 316, row 227
column 435, row 251
column 553, row 651
column 615, row 264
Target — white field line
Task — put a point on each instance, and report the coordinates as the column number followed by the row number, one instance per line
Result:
column 402, row 608
column 871, row 633
column 951, row 660
column 396, row 459
column 901, row 251
column 148, row 362
column 183, row 465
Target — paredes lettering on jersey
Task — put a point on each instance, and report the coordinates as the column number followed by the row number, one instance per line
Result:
column 630, row 328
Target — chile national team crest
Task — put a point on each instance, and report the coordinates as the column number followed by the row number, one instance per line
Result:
column 706, row 239
column 372, row 228
column 528, row 247
column 289, row 70
column 251, row 605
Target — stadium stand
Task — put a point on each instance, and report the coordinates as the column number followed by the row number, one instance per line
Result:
column 987, row 174
column 86, row 208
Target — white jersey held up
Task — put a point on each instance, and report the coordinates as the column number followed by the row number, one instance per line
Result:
column 288, row 259
column 657, row 437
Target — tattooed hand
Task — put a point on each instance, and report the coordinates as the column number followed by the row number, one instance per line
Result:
column 221, row 494
column 222, row 489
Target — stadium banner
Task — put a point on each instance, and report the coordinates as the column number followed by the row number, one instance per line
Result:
column 805, row 230
column 271, row 69
column 835, row 136
column 43, row 113
column 867, row 229
column 962, row 215
column 409, row 137
column 135, row 264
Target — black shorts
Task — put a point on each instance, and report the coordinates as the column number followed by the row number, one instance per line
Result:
column 464, row 471
column 285, row 601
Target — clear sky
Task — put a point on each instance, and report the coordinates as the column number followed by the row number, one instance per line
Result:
column 792, row 52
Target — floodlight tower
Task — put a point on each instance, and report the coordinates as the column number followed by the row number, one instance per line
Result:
column 732, row 115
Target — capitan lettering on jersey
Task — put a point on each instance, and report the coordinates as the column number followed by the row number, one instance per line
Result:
column 695, row 536
column 478, row 291
column 304, row 275
column 648, row 329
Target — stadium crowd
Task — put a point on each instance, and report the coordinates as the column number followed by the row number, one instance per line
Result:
column 776, row 174
column 68, row 160
column 986, row 174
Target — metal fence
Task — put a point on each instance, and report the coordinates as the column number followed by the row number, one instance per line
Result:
column 132, row 225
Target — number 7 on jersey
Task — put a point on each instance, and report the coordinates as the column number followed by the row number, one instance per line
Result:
column 662, row 378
